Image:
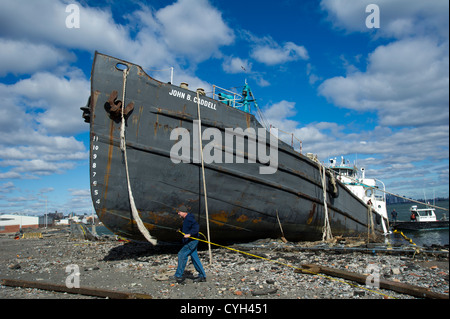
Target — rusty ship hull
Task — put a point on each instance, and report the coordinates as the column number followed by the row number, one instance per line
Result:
column 243, row 204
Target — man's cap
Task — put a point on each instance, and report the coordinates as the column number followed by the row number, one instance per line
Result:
column 182, row 208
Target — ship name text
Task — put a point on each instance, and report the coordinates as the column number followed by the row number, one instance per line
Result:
column 189, row 97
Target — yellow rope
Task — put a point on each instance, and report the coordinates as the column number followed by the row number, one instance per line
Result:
column 403, row 235
column 288, row 265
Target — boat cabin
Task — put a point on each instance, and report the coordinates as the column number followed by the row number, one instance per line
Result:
column 424, row 214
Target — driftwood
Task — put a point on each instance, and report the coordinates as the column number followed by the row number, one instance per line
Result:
column 384, row 284
column 81, row 291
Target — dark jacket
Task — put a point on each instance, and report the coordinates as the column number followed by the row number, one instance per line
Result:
column 190, row 226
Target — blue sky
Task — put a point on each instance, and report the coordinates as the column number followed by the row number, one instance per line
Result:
column 376, row 95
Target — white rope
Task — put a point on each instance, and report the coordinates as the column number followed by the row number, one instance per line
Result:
column 123, row 147
column 203, row 173
column 326, row 231
column 370, row 224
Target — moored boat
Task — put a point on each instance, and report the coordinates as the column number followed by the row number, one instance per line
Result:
column 146, row 154
column 421, row 219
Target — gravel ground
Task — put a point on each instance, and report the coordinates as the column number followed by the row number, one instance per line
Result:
column 142, row 268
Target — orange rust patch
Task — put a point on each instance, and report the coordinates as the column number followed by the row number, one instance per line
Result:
column 242, row 218
column 257, row 220
column 221, row 217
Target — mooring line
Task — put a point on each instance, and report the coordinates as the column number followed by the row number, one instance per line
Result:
column 290, row 266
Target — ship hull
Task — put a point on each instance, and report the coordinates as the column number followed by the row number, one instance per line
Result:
column 243, row 204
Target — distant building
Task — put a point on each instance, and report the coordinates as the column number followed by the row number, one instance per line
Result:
column 46, row 221
column 13, row 223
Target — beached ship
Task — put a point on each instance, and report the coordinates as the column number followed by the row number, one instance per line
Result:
column 158, row 167
column 424, row 219
column 370, row 190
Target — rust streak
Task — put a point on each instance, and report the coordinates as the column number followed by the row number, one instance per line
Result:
column 311, row 214
column 137, row 120
column 156, row 124
column 247, row 118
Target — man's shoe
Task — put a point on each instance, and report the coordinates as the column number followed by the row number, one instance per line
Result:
column 199, row 279
column 179, row 280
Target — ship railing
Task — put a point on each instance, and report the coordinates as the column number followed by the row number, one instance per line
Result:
column 227, row 97
column 234, row 99
column 291, row 136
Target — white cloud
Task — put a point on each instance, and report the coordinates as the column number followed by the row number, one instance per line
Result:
column 193, row 28
column 45, row 22
column 30, row 147
column 7, row 187
column 41, row 111
column 15, row 57
column 272, row 53
column 59, row 98
column 406, row 82
column 187, row 28
column 398, row 19
column 236, row 65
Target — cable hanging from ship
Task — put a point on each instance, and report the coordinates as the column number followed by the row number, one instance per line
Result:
column 123, row 147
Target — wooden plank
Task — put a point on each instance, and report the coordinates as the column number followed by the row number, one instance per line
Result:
column 81, row 291
column 384, row 284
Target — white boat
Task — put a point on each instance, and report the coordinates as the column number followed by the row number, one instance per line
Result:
column 425, row 219
column 369, row 190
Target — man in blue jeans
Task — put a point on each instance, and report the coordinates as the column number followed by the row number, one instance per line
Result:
column 190, row 228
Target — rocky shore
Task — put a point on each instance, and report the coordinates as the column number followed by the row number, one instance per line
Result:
column 142, row 268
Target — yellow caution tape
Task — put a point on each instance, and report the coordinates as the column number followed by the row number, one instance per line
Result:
column 403, row 235
column 288, row 265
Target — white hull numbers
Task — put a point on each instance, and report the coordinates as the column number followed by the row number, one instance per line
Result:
column 95, row 149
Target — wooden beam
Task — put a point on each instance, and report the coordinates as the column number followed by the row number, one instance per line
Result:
column 384, row 284
column 81, row 291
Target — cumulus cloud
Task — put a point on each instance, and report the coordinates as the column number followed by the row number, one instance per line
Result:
column 193, row 28
column 41, row 115
column 58, row 97
column 398, row 19
column 272, row 53
column 15, row 57
column 269, row 52
column 404, row 85
column 236, row 65
column 406, row 82
column 41, row 107
column 153, row 39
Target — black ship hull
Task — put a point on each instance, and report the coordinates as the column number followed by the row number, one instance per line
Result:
column 243, row 204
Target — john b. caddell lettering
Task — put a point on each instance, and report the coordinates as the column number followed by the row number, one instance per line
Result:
column 188, row 97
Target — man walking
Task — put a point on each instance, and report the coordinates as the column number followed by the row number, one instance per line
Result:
column 394, row 216
column 190, row 228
